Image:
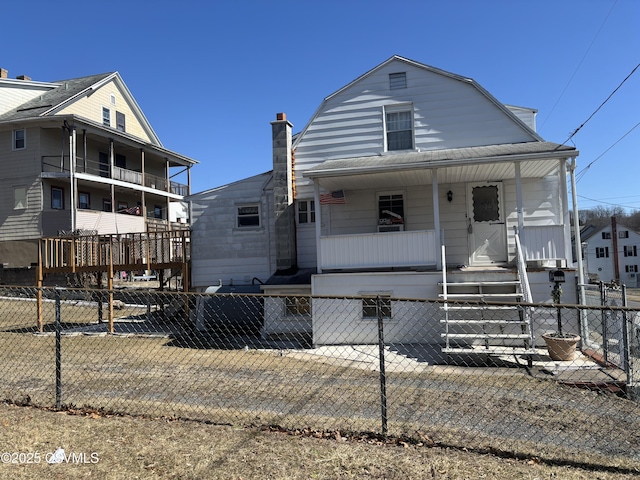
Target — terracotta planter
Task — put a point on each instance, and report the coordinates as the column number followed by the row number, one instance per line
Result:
column 561, row 348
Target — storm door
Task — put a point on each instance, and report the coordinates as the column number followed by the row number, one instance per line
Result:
column 486, row 224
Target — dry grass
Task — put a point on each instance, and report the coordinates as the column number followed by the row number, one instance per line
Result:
column 130, row 448
column 489, row 410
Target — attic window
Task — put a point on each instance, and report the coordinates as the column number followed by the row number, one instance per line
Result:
column 113, row 99
column 397, row 80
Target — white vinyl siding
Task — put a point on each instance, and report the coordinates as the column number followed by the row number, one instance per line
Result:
column 447, row 113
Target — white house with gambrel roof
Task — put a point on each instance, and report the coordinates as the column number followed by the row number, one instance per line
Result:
column 408, row 181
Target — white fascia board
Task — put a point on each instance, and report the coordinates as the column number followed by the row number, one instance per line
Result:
column 436, row 164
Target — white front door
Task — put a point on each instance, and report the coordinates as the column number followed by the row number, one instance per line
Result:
column 486, row 224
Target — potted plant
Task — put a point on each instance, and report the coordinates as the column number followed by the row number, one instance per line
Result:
column 560, row 346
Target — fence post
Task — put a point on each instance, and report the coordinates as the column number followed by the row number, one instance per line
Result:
column 626, row 348
column 58, row 352
column 383, row 376
column 604, row 316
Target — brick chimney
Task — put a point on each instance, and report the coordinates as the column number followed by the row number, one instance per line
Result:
column 285, row 232
column 4, row 73
column 23, row 77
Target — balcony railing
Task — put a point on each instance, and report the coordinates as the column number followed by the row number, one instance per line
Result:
column 57, row 164
column 379, row 250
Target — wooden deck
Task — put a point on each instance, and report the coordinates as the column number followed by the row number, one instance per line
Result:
column 158, row 251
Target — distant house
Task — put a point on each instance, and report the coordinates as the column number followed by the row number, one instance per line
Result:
column 79, row 155
column 611, row 254
column 403, row 174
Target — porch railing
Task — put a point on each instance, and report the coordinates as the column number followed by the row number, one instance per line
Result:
column 379, row 250
column 543, row 242
column 58, row 164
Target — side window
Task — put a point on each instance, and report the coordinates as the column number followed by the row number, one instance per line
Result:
column 57, row 198
column 306, row 211
column 19, row 198
column 248, row 216
column 106, row 205
column 19, row 139
column 390, row 209
column 84, row 201
column 157, row 211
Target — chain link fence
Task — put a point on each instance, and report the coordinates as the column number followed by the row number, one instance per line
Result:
column 349, row 364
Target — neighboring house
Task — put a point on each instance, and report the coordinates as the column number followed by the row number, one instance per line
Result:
column 401, row 162
column 611, row 254
column 79, row 155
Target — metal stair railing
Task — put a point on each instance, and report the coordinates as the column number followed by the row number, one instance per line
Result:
column 524, row 286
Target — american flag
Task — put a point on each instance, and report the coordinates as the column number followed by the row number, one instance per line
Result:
column 131, row 210
column 333, row 198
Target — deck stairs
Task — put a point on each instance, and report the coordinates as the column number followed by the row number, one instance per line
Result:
column 482, row 315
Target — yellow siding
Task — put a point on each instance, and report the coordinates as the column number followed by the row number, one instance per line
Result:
column 91, row 107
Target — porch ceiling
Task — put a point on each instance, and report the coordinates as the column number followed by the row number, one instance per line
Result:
column 496, row 162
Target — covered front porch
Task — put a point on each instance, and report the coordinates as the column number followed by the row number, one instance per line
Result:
column 401, row 210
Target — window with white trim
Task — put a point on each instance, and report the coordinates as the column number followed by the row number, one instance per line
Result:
column 19, row 139
column 19, row 198
column 248, row 216
column 606, row 235
column 106, row 116
column 631, row 268
column 602, row 252
column 57, row 198
column 391, row 208
column 398, row 127
column 306, row 211
column 623, row 234
column 630, row 251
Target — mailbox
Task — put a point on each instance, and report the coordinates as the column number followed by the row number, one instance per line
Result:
column 556, row 276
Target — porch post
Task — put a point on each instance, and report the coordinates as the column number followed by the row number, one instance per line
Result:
column 519, row 206
column 436, row 216
column 111, row 171
column 72, row 176
column 316, row 201
column 576, row 233
column 566, row 219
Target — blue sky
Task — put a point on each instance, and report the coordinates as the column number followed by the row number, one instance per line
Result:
column 211, row 75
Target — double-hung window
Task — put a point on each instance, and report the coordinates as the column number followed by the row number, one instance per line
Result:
column 19, row 198
column 57, row 198
column 399, row 127
column 631, row 268
column 630, row 251
column 602, row 252
column 306, row 211
column 120, row 122
column 19, row 139
column 106, row 116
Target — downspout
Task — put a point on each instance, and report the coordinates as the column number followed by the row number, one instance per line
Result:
column 436, row 217
column 316, row 199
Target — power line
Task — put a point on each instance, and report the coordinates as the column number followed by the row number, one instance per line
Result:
column 601, row 105
column 579, row 65
column 608, row 203
column 582, row 172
